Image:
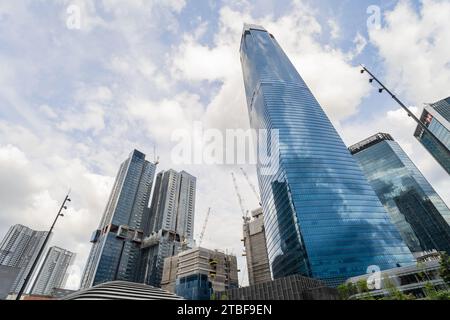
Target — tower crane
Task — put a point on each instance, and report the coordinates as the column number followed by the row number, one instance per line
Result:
column 202, row 234
column 241, row 202
column 252, row 186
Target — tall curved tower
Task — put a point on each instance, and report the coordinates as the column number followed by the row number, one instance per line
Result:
column 322, row 217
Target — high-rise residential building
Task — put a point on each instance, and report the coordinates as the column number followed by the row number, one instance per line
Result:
column 19, row 249
column 322, row 218
column 7, row 277
column 115, row 252
column 198, row 273
column 414, row 206
column 256, row 249
column 53, row 273
column 173, row 203
column 170, row 225
column 436, row 117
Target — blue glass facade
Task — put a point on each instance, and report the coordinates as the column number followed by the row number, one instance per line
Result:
column 416, row 209
column 115, row 252
column 194, row 287
column 322, row 218
column 436, row 117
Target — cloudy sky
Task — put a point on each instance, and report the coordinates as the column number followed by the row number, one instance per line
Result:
column 75, row 101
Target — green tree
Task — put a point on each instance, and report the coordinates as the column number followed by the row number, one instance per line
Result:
column 442, row 295
column 433, row 294
column 346, row 290
column 394, row 293
column 444, row 269
column 362, row 286
column 430, row 291
column 422, row 275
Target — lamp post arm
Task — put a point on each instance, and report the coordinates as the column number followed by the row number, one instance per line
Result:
column 410, row 114
column 41, row 250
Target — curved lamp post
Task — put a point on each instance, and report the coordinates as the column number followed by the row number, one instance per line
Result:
column 41, row 250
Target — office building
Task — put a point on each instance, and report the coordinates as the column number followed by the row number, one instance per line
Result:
column 197, row 274
column 170, row 225
column 322, row 218
column 122, row 290
column 436, row 117
column 414, row 206
column 295, row 287
column 410, row 280
column 116, row 244
column 19, row 249
column 256, row 249
column 53, row 272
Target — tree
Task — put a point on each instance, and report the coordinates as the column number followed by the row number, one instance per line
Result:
column 346, row 290
column 362, row 286
column 394, row 293
column 422, row 275
column 433, row 294
column 430, row 291
column 444, row 269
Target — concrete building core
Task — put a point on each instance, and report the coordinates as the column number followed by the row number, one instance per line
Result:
column 256, row 249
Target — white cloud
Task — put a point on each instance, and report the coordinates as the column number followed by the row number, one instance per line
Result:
column 360, row 44
column 335, row 82
column 416, row 50
column 90, row 117
column 161, row 118
column 335, row 30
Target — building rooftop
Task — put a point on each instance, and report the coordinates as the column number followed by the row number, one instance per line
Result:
column 246, row 29
column 249, row 26
column 366, row 143
column 122, row 290
column 442, row 107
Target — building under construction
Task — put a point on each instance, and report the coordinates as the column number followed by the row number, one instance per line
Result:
column 198, row 273
column 256, row 249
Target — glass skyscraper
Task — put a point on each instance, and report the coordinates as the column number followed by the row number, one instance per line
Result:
column 436, row 117
column 321, row 216
column 416, row 209
column 116, row 245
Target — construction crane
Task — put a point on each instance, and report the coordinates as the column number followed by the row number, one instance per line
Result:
column 202, row 234
column 241, row 202
column 252, row 186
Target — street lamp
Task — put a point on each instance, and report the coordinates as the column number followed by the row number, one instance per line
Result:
column 41, row 250
column 410, row 114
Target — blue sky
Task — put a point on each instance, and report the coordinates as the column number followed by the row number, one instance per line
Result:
column 75, row 102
